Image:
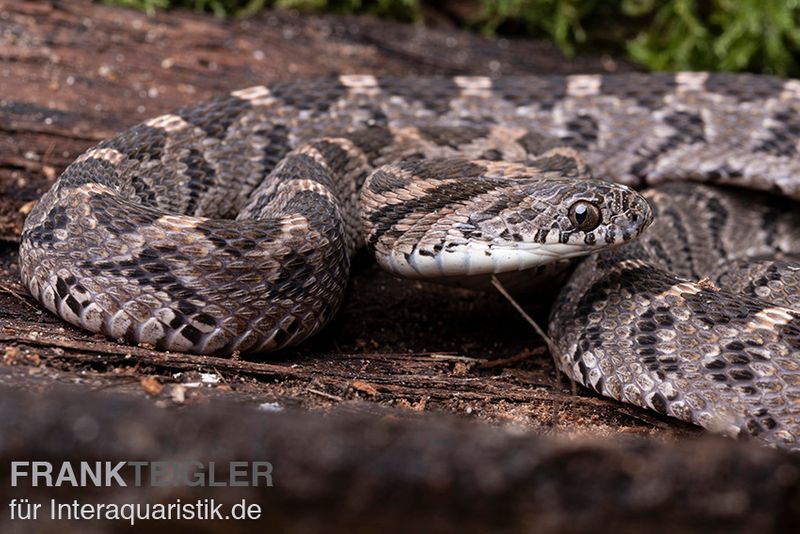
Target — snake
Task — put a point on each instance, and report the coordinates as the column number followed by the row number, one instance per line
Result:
column 667, row 200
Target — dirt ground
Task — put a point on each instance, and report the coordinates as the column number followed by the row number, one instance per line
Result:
column 73, row 73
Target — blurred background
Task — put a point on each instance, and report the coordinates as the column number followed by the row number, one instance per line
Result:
column 728, row 35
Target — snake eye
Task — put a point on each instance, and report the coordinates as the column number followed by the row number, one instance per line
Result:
column 584, row 215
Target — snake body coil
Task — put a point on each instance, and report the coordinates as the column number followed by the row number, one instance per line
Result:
column 229, row 226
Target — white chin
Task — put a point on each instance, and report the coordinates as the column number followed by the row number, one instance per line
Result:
column 476, row 259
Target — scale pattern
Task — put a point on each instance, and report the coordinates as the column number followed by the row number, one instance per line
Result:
column 229, row 225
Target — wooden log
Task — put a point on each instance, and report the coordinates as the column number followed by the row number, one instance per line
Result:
column 377, row 471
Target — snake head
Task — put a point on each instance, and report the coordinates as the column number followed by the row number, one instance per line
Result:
column 581, row 217
column 494, row 219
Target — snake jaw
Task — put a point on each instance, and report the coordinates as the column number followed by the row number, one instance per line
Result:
column 475, row 259
column 527, row 234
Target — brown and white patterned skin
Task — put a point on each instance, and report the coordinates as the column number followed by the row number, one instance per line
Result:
column 229, row 226
column 699, row 318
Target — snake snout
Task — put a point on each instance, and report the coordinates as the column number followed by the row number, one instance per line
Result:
column 527, row 225
column 635, row 215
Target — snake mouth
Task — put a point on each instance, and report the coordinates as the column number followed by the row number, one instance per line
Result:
column 476, row 259
column 483, row 257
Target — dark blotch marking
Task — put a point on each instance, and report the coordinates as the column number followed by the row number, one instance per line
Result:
column 735, row 345
column 453, row 137
column 44, row 233
column 646, row 326
column 659, row 403
column 192, row 334
column 91, row 170
column 61, row 288
column 178, row 320
column 646, row 90
column 74, row 305
column 744, row 87
column 557, row 163
column 784, row 135
column 292, row 326
column 186, row 308
column 583, row 132
column 201, row 178
column 753, row 428
column 492, row 155
column 321, row 214
column 277, row 146
column 446, row 194
column 151, row 268
column 142, row 143
column 372, row 140
column 544, row 91
column 204, row 318
column 689, row 129
column 310, row 95
column 119, row 216
column 740, row 374
column 434, row 93
column 334, row 154
column 280, row 337
column 215, row 116
column 536, row 144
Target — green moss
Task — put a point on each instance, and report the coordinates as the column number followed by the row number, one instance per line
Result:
column 733, row 35
column 221, row 8
column 399, row 9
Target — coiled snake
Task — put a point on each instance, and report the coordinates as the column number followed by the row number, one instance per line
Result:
column 229, row 226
